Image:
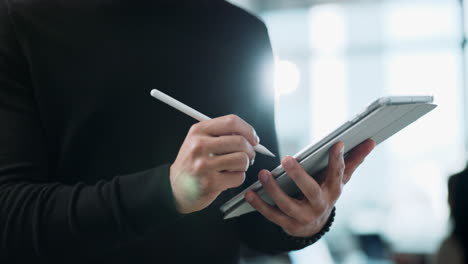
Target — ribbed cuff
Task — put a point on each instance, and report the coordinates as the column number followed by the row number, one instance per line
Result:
column 148, row 200
column 307, row 241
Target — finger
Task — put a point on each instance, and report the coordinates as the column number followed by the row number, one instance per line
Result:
column 334, row 172
column 289, row 206
column 356, row 157
column 228, row 125
column 233, row 162
column 308, row 186
column 228, row 180
column 268, row 211
column 231, row 144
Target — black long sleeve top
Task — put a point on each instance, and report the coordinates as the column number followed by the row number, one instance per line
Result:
column 85, row 150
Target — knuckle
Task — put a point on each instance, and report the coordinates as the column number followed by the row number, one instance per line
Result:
column 307, row 218
column 232, row 120
column 288, row 209
column 197, row 145
column 341, row 166
column 321, row 207
column 200, row 165
column 194, row 129
column 339, row 170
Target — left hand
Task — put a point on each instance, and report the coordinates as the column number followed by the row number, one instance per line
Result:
column 307, row 216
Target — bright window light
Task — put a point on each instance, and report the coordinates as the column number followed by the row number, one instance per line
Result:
column 328, row 97
column 435, row 73
column 287, row 77
column 416, row 22
column 327, row 29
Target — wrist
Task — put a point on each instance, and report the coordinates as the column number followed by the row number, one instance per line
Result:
column 306, row 241
column 185, row 190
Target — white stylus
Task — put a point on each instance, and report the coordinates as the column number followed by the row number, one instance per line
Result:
column 195, row 114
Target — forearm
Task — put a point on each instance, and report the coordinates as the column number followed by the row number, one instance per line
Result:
column 51, row 221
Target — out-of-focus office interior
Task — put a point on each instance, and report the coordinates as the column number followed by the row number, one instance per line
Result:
column 335, row 57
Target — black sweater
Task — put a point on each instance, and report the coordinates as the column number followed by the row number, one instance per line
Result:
column 85, row 150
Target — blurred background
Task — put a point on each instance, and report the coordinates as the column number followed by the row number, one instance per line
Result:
column 333, row 58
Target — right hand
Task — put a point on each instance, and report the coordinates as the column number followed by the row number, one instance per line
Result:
column 213, row 158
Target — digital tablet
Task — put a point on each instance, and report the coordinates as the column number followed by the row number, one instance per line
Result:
column 379, row 121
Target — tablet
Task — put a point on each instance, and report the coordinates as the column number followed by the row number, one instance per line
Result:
column 379, row 121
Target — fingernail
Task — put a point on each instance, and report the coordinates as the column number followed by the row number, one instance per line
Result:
column 263, row 177
column 288, row 164
column 256, row 137
column 249, row 197
column 342, row 149
column 252, row 162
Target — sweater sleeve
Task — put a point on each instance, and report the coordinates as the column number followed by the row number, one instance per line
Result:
column 43, row 219
column 255, row 230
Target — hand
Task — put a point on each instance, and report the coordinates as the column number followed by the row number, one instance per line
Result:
column 307, row 216
column 213, row 158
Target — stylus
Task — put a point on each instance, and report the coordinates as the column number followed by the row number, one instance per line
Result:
column 196, row 115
